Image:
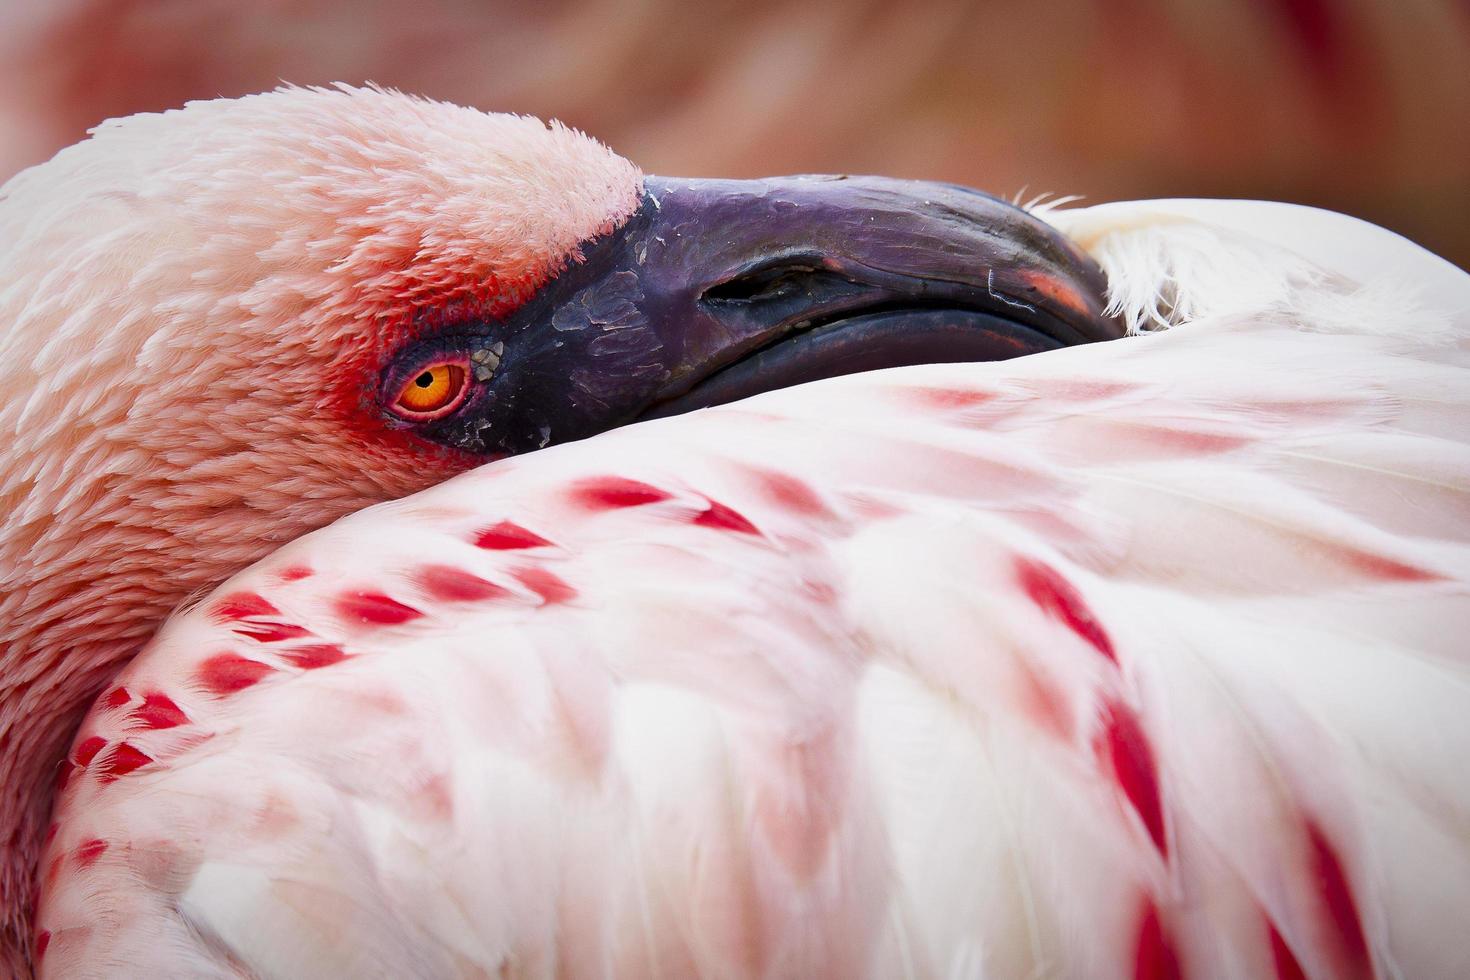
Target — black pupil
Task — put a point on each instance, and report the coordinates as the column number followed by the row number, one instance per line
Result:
column 424, row 380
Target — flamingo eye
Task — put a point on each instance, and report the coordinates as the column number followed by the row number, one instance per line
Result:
column 433, row 392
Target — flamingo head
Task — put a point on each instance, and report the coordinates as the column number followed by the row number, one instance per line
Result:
column 223, row 326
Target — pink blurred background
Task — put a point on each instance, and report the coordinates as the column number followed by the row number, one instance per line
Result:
column 1354, row 105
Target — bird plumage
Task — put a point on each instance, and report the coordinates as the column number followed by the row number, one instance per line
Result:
column 1133, row 659
column 191, row 307
column 211, row 321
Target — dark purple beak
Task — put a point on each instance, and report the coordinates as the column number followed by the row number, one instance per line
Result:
column 719, row 289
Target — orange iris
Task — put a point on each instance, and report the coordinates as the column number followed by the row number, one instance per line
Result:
column 433, row 391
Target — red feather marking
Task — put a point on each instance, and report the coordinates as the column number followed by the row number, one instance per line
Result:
column 1316, row 411
column 1154, row 957
column 723, row 518
column 315, row 655
column 87, row 750
column 791, row 494
column 271, row 632
column 1180, row 438
column 449, row 584
column 1206, row 442
column 43, row 939
column 226, row 673
column 50, row 834
column 63, row 774
column 1337, row 899
column 375, row 609
column 506, row 536
column 1387, row 569
column 53, row 871
column 1287, row 967
column 1045, row 703
column 950, row 398
column 1060, row 600
column 1082, row 389
column 821, row 593
column 122, row 760
column 871, row 508
column 613, row 492
column 435, row 798
column 295, row 573
column 159, row 711
column 243, row 605
column 116, row 698
column 87, row 853
column 552, row 588
column 1123, row 742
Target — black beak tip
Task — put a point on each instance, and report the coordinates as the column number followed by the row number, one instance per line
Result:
column 794, row 279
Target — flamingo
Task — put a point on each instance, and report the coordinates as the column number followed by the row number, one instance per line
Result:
column 1126, row 658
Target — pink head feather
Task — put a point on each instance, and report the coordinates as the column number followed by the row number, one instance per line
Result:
column 193, row 310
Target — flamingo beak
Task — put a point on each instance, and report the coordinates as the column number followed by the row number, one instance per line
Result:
column 715, row 290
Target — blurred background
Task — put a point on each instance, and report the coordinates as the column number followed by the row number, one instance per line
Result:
column 1358, row 105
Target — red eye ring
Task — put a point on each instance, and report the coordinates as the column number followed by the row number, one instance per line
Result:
column 433, row 391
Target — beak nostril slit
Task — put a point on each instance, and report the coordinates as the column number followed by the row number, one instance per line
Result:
column 768, row 282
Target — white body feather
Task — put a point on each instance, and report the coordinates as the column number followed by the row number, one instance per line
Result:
column 1135, row 659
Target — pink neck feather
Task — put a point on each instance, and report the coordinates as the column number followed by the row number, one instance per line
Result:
column 153, row 352
column 69, row 624
column 85, row 579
